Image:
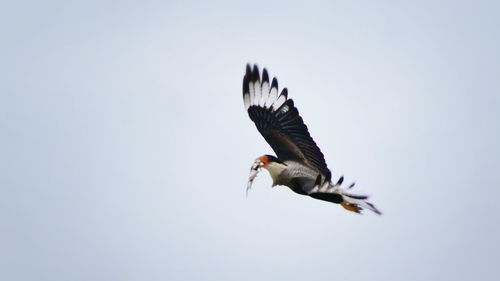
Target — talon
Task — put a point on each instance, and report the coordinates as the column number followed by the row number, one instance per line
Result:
column 351, row 207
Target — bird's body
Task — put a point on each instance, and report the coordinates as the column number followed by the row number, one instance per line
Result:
column 299, row 164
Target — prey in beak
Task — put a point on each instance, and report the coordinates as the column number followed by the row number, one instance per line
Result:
column 254, row 170
column 272, row 164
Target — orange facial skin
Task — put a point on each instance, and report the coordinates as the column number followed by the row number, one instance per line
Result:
column 264, row 159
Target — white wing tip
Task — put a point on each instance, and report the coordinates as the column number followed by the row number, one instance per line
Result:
column 258, row 92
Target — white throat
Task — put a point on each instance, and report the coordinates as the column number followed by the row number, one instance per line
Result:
column 275, row 169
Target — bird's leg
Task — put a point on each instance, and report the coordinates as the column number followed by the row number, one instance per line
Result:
column 351, row 207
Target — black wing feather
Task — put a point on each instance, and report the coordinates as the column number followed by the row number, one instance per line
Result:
column 282, row 127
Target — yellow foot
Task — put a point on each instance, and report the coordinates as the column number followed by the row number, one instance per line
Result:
column 351, row 207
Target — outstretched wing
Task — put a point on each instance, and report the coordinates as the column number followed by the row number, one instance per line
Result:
column 279, row 122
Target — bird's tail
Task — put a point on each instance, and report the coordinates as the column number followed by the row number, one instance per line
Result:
column 336, row 194
column 356, row 203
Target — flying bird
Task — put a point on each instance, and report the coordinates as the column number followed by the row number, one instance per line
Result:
column 299, row 163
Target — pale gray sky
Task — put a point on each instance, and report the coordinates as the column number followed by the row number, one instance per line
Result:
column 125, row 147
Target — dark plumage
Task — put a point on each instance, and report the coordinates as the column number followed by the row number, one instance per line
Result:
column 283, row 128
column 299, row 164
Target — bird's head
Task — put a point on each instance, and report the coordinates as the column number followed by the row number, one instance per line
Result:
column 270, row 163
column 265, row 160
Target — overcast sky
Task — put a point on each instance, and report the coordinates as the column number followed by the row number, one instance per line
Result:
column 125, row 148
